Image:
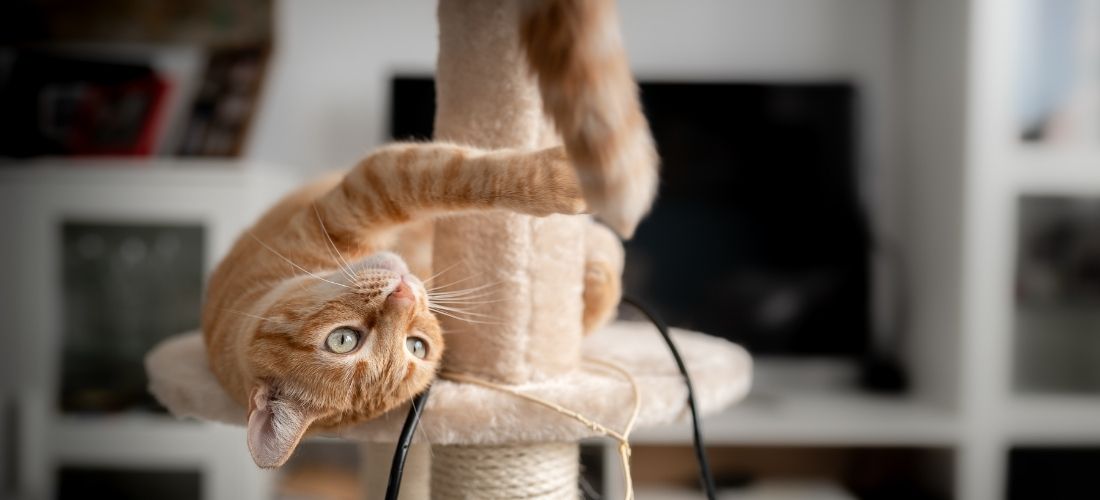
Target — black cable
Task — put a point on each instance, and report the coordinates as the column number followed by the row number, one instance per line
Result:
column 705, row 476
column 397, row 467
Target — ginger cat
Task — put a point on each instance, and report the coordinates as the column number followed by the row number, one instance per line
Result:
column 313, row 324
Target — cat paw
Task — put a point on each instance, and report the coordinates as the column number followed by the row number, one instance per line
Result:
column 558, row 201
column 602, row 292
column 555, row 188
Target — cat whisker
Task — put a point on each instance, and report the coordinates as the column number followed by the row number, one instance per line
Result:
column 465, row 302
column 472, row 299
column 242, row 313
column 460, row 280
column 460, row 307
column 288, row 261
column 466, row 317
column 444, row 305
column 464, row 294
column 468, row 320
column 465, row 291
column 443, row 288
column 340, row 262
column 440, row 273
column 422, row 431
column 459, row 311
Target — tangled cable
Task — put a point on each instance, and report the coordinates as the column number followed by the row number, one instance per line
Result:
column 397, row 468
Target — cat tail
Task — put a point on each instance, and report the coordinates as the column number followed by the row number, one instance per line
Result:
column 575, row 50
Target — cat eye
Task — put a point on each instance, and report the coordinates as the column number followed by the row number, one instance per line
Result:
column 342, row 340
column 417, row 347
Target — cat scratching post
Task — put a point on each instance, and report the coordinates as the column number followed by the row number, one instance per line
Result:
column 487, row 97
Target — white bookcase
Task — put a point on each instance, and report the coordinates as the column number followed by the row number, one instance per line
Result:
column 959, row 170
column 999, row 171
column 36, row 197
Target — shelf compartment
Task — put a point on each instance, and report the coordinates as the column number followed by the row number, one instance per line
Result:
column 1058, row 88
column 1046, row 472
column 126, row 288
column 79, row 482
column 1057, row 289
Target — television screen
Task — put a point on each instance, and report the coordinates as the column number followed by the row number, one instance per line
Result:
column 758, row 234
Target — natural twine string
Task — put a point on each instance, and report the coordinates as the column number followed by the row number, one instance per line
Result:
column 544, row 471
column 622, row 437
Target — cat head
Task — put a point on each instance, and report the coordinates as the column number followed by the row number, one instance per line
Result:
column 338, row 350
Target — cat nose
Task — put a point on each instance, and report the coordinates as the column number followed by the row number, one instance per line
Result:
column 403, row 292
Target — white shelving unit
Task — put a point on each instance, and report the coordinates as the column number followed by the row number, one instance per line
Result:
column 35, row 198
column 961, row 170
column 999, row 170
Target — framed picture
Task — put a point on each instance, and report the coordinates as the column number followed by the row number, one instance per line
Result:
column 1060, row 75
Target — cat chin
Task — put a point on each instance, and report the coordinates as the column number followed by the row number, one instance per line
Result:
column 385, row 260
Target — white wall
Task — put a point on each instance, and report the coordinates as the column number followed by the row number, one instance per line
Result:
column 326, row 102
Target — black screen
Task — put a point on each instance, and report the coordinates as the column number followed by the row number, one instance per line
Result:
column 758, row 234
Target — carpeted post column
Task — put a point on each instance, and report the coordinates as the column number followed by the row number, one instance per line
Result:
column 533, row 267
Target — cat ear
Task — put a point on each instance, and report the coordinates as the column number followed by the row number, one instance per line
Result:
column 275, row 426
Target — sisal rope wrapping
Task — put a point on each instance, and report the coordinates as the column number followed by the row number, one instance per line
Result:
column 622, row 437
column 544, row 471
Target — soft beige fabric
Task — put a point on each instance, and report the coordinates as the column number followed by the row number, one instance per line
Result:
column 466, row 414
column 487, row 97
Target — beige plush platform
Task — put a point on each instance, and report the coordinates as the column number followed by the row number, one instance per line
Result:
column 467, row 414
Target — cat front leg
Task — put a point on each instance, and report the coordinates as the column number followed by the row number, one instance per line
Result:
column 539, row 182
column 405, row 182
